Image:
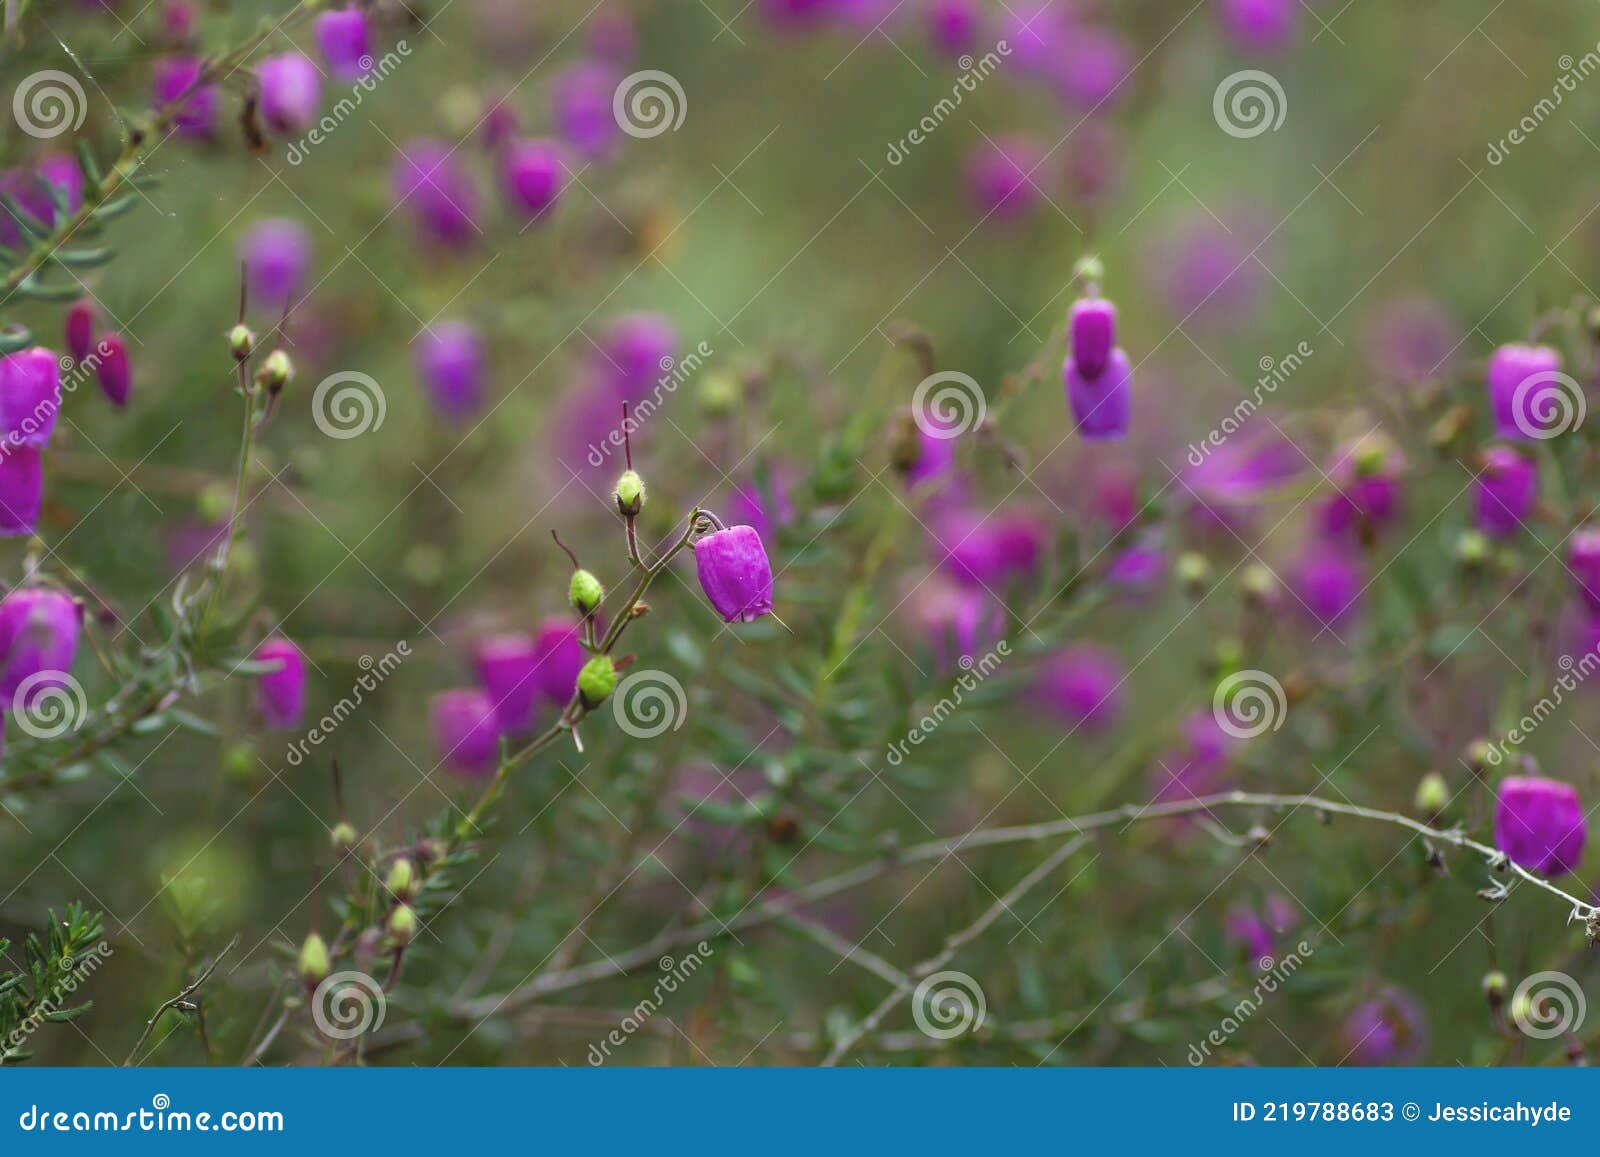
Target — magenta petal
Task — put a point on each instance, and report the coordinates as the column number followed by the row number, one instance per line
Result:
column 735, row 574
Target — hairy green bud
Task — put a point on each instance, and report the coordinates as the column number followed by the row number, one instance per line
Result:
column 275, row 372
column 1495, row 986
column 1433, row 794
column 597, row 680
column 402, row 879
column 403, row 925
column 343, row 837
column 630, row 494
column 585, row 592
column 313, row 964
column 241, row 342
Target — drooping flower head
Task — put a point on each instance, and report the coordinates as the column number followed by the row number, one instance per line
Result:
column 437, row 191
column 1507, row 489
column 291, row 91
column 507, row 666
column 1004, row 177
column 580, row 99
column 1540, row 824
column 113, row 372
column 1525, row 390
column 450, row 362
column 1102, row 404
column 532, row 174
column 39, row 628
column 281, row 692
column 561, row 657
column 1387, row 1029
column 1367, row 473
column 1093, row 323
column 174, row 82
column 957, row 620
column 987, row 550
column 30, row 398
column 734, row 573
column 1259, row 25
column 1327, row 583
column 78, row 329
column 1083, row 685
column 466, row 731
column 276, row 254
column 344, row 42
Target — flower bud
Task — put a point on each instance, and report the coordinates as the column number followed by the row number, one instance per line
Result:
column 291, row 91
column 630, row 493
column 1433, row 794
column 1258, row 583
column 241, row 342
column 719, row 394
column 1471, row 549
column 113, row 373
column 275, row 372
column 585, row 592
column 1194, row 572
column 39, row 630
column 402, row 879
column 281, row 692
column 80, row 325
column 1093, row 322
column 343, row 837
column 313, row 964
column 735, row 574
column 1479, row 756
column 1495, row 985
column 343, row 40
column 597, row 680
column 403, row 925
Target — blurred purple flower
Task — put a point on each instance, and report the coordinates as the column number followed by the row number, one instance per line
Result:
column 21, row 492
column 174, row 77
column 958, row 621
column 344, row 42
column 39, row 628
column 1413, row 340
column 79, row 329
column 1540, row 824
column 466, row 731
column 987, row 550
column 953, row 25
column 113, row 372
column 1507, row 490
column 276, row 253
column 561, row 657
column 636, row 352
column 532, row 174
column 1327, row 581
column 281, row 693
column 1231, row 480
column 450, row 362
column 291, row 91
column 1259, row 25
column 1100, row 405
column 1367, row 474
column 1385, row 1030
column 1004, row 178
column 580, row 99
column 438, row 192
column 30, row 398
column 1082, row 684
column 507, row 667
column 1533, row 371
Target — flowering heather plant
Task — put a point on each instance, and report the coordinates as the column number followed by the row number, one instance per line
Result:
column 501, row 500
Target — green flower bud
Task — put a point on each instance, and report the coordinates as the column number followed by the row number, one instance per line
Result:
column 597, row 680
column 1495, row 985
column 630, row 493
column 215, row 501
column 343, row 837
column 1089, row 269
column 1472, row 549
column 403, row 925
column 402, row 879
column 1433, row 794
column 1258, row 583
column 585, row 592
column 1479, row 756
column 1521, row 1007
column 242, row 342
column 720, row 394
column 1194, row 571
column 275, row 372
column 313, row 965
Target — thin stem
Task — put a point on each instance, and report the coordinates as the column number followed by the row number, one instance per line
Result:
column 183, row 996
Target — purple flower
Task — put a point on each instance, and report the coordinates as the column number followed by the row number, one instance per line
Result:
column 953, row 25
column 992, row 550
column 1508, row 487
column 750, row 504
column 1207, row 270
column 450, row 362
column 342, row 39
column 957, row 620
column 1367, row 473
column 438, row 192
column 734, row 573
column 291, row 91
column 30, row 398
column 532, row 174
column 1525, row 390
column 1198, row 765
column 1003, row 178
column 466, row 731
column 39, row 629
column 1102, row 404
column 1413, row 340
column 277, row 257
column 21, row 491
column 610, row 36
column 934, row 457
column 1583, row 559
column 1037, row 34
column 1083, row 685
column 281, row 693
column 636, row 352
column 1263, row 25
column 580, row 98
column 1093, row 322
column 1139, row 567
column 1385, row 1030
column 1243, row 927
column 1093, row 64
column 508, row 667
column 178, row 20
column 116, row 379
column 561, row 657
column 175, row 76
column 1540, row 824
column 66, row 175
column 79, row 329
column 1230, row 481
column 1327, row 582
